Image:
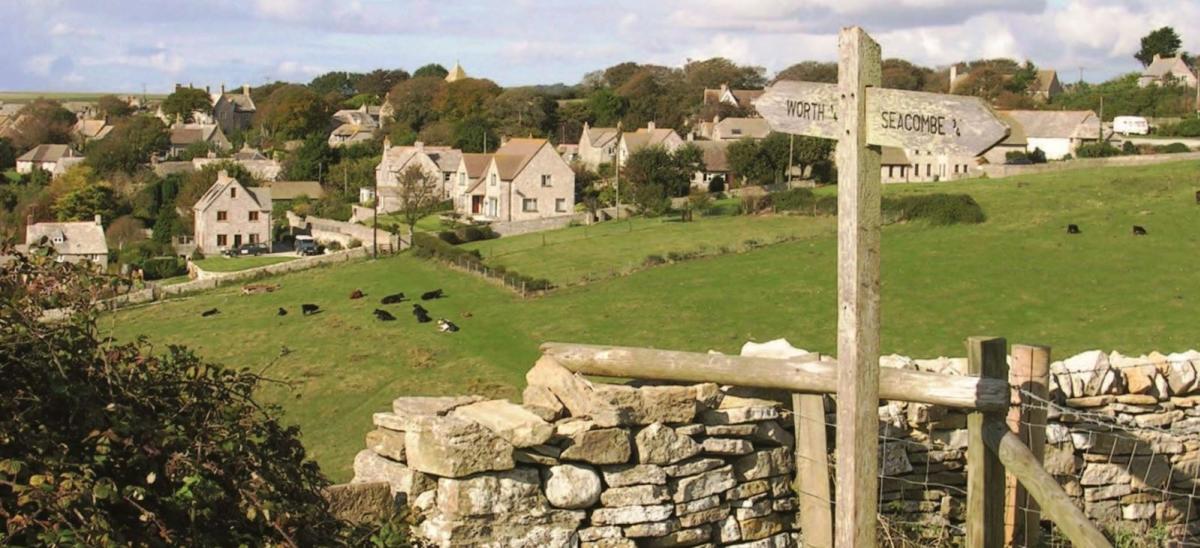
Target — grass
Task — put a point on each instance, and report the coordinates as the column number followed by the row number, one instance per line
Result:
column 11, row 176
column 27, row 96
column 228, row 264
column 1018, row 275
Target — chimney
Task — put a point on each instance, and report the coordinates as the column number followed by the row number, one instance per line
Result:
column 178, row 86
column 99, row 220
column 387, row 143
column 222, row 88
column 420, row 146
column 650, row 125
column 207, row 90
column 246, row 90
column 691, row 136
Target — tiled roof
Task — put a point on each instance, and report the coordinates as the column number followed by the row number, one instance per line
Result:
column 47, row 153
column 78, row 238
column 290, row 190
column 1057, row 124
column 513, row 156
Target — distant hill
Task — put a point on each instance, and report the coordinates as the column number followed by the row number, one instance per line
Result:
column 84, row 96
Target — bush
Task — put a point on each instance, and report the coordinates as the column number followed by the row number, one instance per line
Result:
column 653, row 260
column 426, row 246
column 1173, row 148
column 197, row 255
column 333, row 245
column 114, row 444
column 937, row 209
column 1097, row 150
column 796, row 199
column 354, row 243
column 160, row 268
column 717, row 184
column 1185, row 128
column 1129, row 148
column 449, row 236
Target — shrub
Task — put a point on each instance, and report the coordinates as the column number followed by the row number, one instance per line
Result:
column 796, row 199
column 1097, row 150
column 197, row 255
column 1129, row 148
column 750, row 205
column 354, row 243
column 1173, row 148
column 450, row 237
column 653, row 260
column 107, row 444
column 159, row 268
column 717, row 184
column 1185, row 128
column 334, row 245
column 937, row 209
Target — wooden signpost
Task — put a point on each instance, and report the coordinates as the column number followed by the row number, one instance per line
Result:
column 862, row 117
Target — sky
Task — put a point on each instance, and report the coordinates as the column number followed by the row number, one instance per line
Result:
column 125, row 45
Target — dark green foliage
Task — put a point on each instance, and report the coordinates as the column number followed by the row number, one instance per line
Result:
column 472, row 132
column 653, row 260
column 167, row 225
column 159, row 268
column 106, row 444
column 131, row 143
column 1163, row 41
column 83, row 204
column 113, row 107
column 810, row 71
column 293, row 112
column 1173, row 148
column 936, row 209
column 1122, row 96
column 182, row 104
column 1129, row 148
column 40, row 122
column 310, row 162
column 1097, row 150
column 654, row 177
column 428, row 246
column 1021, row 157
column 607, row 108
column 1189, row 127
column 433, row 70
column 8, row 154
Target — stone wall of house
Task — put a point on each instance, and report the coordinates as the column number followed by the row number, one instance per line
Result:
column 592, row 465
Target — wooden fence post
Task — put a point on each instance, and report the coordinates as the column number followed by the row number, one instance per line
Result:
column 1030, row 371
column 812, row 470
column 985, row 474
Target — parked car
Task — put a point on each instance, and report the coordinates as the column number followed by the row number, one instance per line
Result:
column 245, row 250
column 306, row 245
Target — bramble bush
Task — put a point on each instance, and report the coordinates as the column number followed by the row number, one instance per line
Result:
column 126, row 444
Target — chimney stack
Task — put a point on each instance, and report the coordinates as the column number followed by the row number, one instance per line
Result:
column 246, row 90
column 222, row 88
column 207, row 90
column 99, row 220
column 420, row 146
column 650, row 125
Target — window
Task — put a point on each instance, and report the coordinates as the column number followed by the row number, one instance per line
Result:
column 493, row 180
column 529, row 205
column 222, row 215
column 446, row 176
column 737, row 131
column 462, row 179
column 233, row 192
column 560, row 205
column 546, row 180
column 254, row 238
column 222, row 240
column 253, row 215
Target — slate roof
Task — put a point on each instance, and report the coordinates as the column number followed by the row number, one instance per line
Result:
column 260, row 195
column 1056, row 124
column 512, row 157
column 714, row 154
column 192, row 133
column 645, row 137
column 241, row 102
column 248, row 154
column 601, row 136
column 47, row 153
column 477, row 166
column 446, row 159
column 752, row 128
column 893, row 156
column 290, row 190
column 78, row 238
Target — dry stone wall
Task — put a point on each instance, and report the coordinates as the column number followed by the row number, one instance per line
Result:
column 591, row 465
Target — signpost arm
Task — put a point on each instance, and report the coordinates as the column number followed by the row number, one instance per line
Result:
column 858, row 294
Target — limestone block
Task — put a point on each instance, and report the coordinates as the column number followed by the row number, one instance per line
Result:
column 698, row 505
column 635, row 474
column 659, row 444
column 894, row 460
column 1138, row 511
column 635, row 495
column 408, row 412
column 603, row 446
column 576, row 393
column 453, row 448
column 512, row 491
column 629, row 515
column 761, row 527
column 1060, row 462
column 510, row 421
column 771, row 433
column 736, row 430
column 1137, row 399
column 748, row 489
column 763, row 464
column 712, row 515
column 370, row 467
column 729, row 531
column 1181, row 377
column 1105, row 492
column 682, row 537
column 726, row 446
column 756, row 507
column 610, row 543
column 650, row 529
column 1158, row 420
column 361, row 502
column 387, row 443
column 542, row 402
column 738, row 415
column 572, row 486
column 693, row 466
column 590, row 534
column 1103, row 473
column 1139, row 380
column 702, row 485
column 690, row 430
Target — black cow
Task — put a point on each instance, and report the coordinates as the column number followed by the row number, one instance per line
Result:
column 430, row 295
column 422, row 316
column 1198, row 196
column 210, row 312
column 447, row 326
column 308, row 309
column 384, row 315
column 393, row 299
column 1138, row 231
column 356, row 294
column 1072, row 229
column 282, row 312
column 418, row 310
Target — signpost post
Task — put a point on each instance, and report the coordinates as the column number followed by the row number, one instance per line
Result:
column 863, row 117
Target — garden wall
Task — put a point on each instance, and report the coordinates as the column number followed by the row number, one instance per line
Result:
column 514, row 228
column 1004, row 170
column 619, row 465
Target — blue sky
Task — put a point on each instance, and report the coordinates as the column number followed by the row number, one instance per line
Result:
column 121, row 45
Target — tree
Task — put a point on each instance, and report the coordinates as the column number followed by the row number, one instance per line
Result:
column 293, row 112
column 182, row 104
column 311, row 161
column 90, row 458
column 41, row 122
column 439, row 133
column 412, row 101
column 168, row 225
column 654, row 176
column 85, row 203
column 473, row 132
column 131, row 143
column 337, row 83
column 607, row 108
column 522, row 112
column 8, row 154
column 616, row 75
column 901, row 74
column 113, row 107
column 417, row 195
column 810, row 71
column 432, row 70
column 1164, row 42
column 379, row 81
column 459, row 99
column 712, row 73
column 196, row 184
column 125, row 229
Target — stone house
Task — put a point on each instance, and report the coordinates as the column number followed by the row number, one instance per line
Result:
column 54, row 159
column 525, row 179
column 1046, row 86
column 469, row 193
column 597, row 145
column 234, row 111
column 73, row 242
column 649, row 136
column 257, row 163
column 354, row 126
column 716, row 163
column 740, row 98
column 230, row 214
column 441, row 162
column 284, row 192
column 1058, row 133
column 185, row 135
column 733, row 129
column 1164, row 70
column 87, row 131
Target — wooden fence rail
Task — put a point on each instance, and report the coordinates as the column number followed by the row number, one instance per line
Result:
column 805, row 374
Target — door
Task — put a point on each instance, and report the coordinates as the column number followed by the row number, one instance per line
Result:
column 237, row 240
column 476, row 205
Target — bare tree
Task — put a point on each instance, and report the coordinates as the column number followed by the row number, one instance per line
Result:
column 417, row 195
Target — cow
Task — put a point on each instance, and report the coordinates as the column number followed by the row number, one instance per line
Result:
column 282, row 312
column 1138, row 231
column 210, row 312
column 1198, row 197
column 422, row 316
column 418, row 310
column 430, row 295
column 309, row 309
column 356, row 294
column 384, row 315
column 446, row 326
column 1072, row 229
column 393, row 299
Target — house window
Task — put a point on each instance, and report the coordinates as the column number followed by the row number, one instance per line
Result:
column 254, row 238
column 493, row 180
column 233, row 192
column 560, row 205
column 447, row 176
column 222, row 240
column 222, row 215
column 462, row 179
column 529, row 205
column 546, row 181
column 737, row 131
column 253, row 215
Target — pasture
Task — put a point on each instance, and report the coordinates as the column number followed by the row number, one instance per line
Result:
column 1018, row 275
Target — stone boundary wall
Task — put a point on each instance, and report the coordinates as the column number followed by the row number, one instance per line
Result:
column 590, row 465
column 329, row 230
column 514, row 228
column 1004, row 170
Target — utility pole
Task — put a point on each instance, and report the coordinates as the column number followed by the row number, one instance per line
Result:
column 617, row 168
column 1101, row 136
column 791, row 162
column 375, row 223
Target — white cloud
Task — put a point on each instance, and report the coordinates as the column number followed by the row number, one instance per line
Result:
column 296, row 69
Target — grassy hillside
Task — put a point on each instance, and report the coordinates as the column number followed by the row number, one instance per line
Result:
column 1018, row 275
column 27, row 96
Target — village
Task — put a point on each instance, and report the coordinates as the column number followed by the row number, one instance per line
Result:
column 664, row 306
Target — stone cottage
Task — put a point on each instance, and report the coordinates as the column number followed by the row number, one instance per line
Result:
column 73, row 242
column 230, row 214
column 525, row 179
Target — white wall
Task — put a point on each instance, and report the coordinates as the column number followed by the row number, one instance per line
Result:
column 1054, row 148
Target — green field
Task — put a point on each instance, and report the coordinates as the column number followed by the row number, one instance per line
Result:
column 234, row 264
column 1018, row 275
column 27, row 96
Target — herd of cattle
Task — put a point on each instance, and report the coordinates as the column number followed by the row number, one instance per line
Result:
column 1137, row 230
column 419, row 312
